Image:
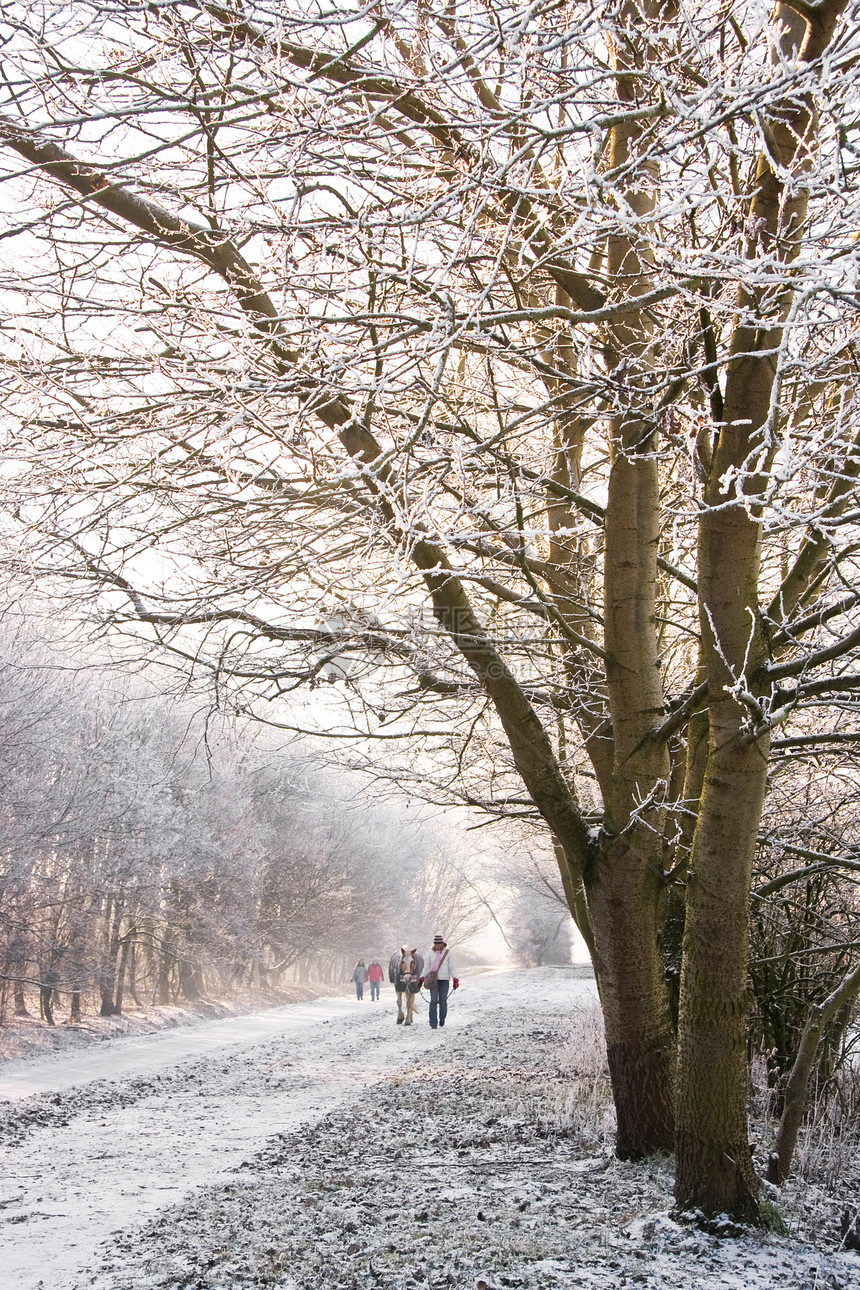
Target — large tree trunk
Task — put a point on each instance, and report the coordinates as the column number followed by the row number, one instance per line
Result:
column 714, row 1171
column 624, row 890
column 639, row 1040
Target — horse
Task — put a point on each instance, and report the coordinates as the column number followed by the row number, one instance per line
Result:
column 404, row 969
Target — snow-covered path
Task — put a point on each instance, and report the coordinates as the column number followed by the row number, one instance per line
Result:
column 111, row 1138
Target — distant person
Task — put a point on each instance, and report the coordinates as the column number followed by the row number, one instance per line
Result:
column 359, row 976
column 375, row 976
column 439, row 978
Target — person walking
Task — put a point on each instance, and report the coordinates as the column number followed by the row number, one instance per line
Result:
column 359, row 976
column 440, row 978
column 375, row 977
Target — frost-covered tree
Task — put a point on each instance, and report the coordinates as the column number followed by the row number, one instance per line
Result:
column 539, row 931
column 488, row 370
column 145, row 854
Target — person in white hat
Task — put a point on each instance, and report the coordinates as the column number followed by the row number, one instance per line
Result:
column 439, row 978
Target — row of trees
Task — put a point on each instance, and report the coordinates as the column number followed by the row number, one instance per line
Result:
column 485, row 374
column 144, row 857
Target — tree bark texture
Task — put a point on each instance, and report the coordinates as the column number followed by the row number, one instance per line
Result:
column 714, row 1171
column 622, row 900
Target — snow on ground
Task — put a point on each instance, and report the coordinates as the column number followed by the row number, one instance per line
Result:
column 322, row 1147
column 29, row 1038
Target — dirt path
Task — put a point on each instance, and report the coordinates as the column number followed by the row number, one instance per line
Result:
column 100, row 1143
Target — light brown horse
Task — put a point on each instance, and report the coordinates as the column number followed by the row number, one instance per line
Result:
column 404, row 969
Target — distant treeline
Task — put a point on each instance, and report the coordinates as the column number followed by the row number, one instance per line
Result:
column 146, row 856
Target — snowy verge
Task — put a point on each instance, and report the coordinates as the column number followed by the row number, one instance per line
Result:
column 26, row 1038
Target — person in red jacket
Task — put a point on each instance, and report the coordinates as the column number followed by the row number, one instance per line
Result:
column 375, row 977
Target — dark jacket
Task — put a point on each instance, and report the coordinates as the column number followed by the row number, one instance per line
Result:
column 400, row 983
